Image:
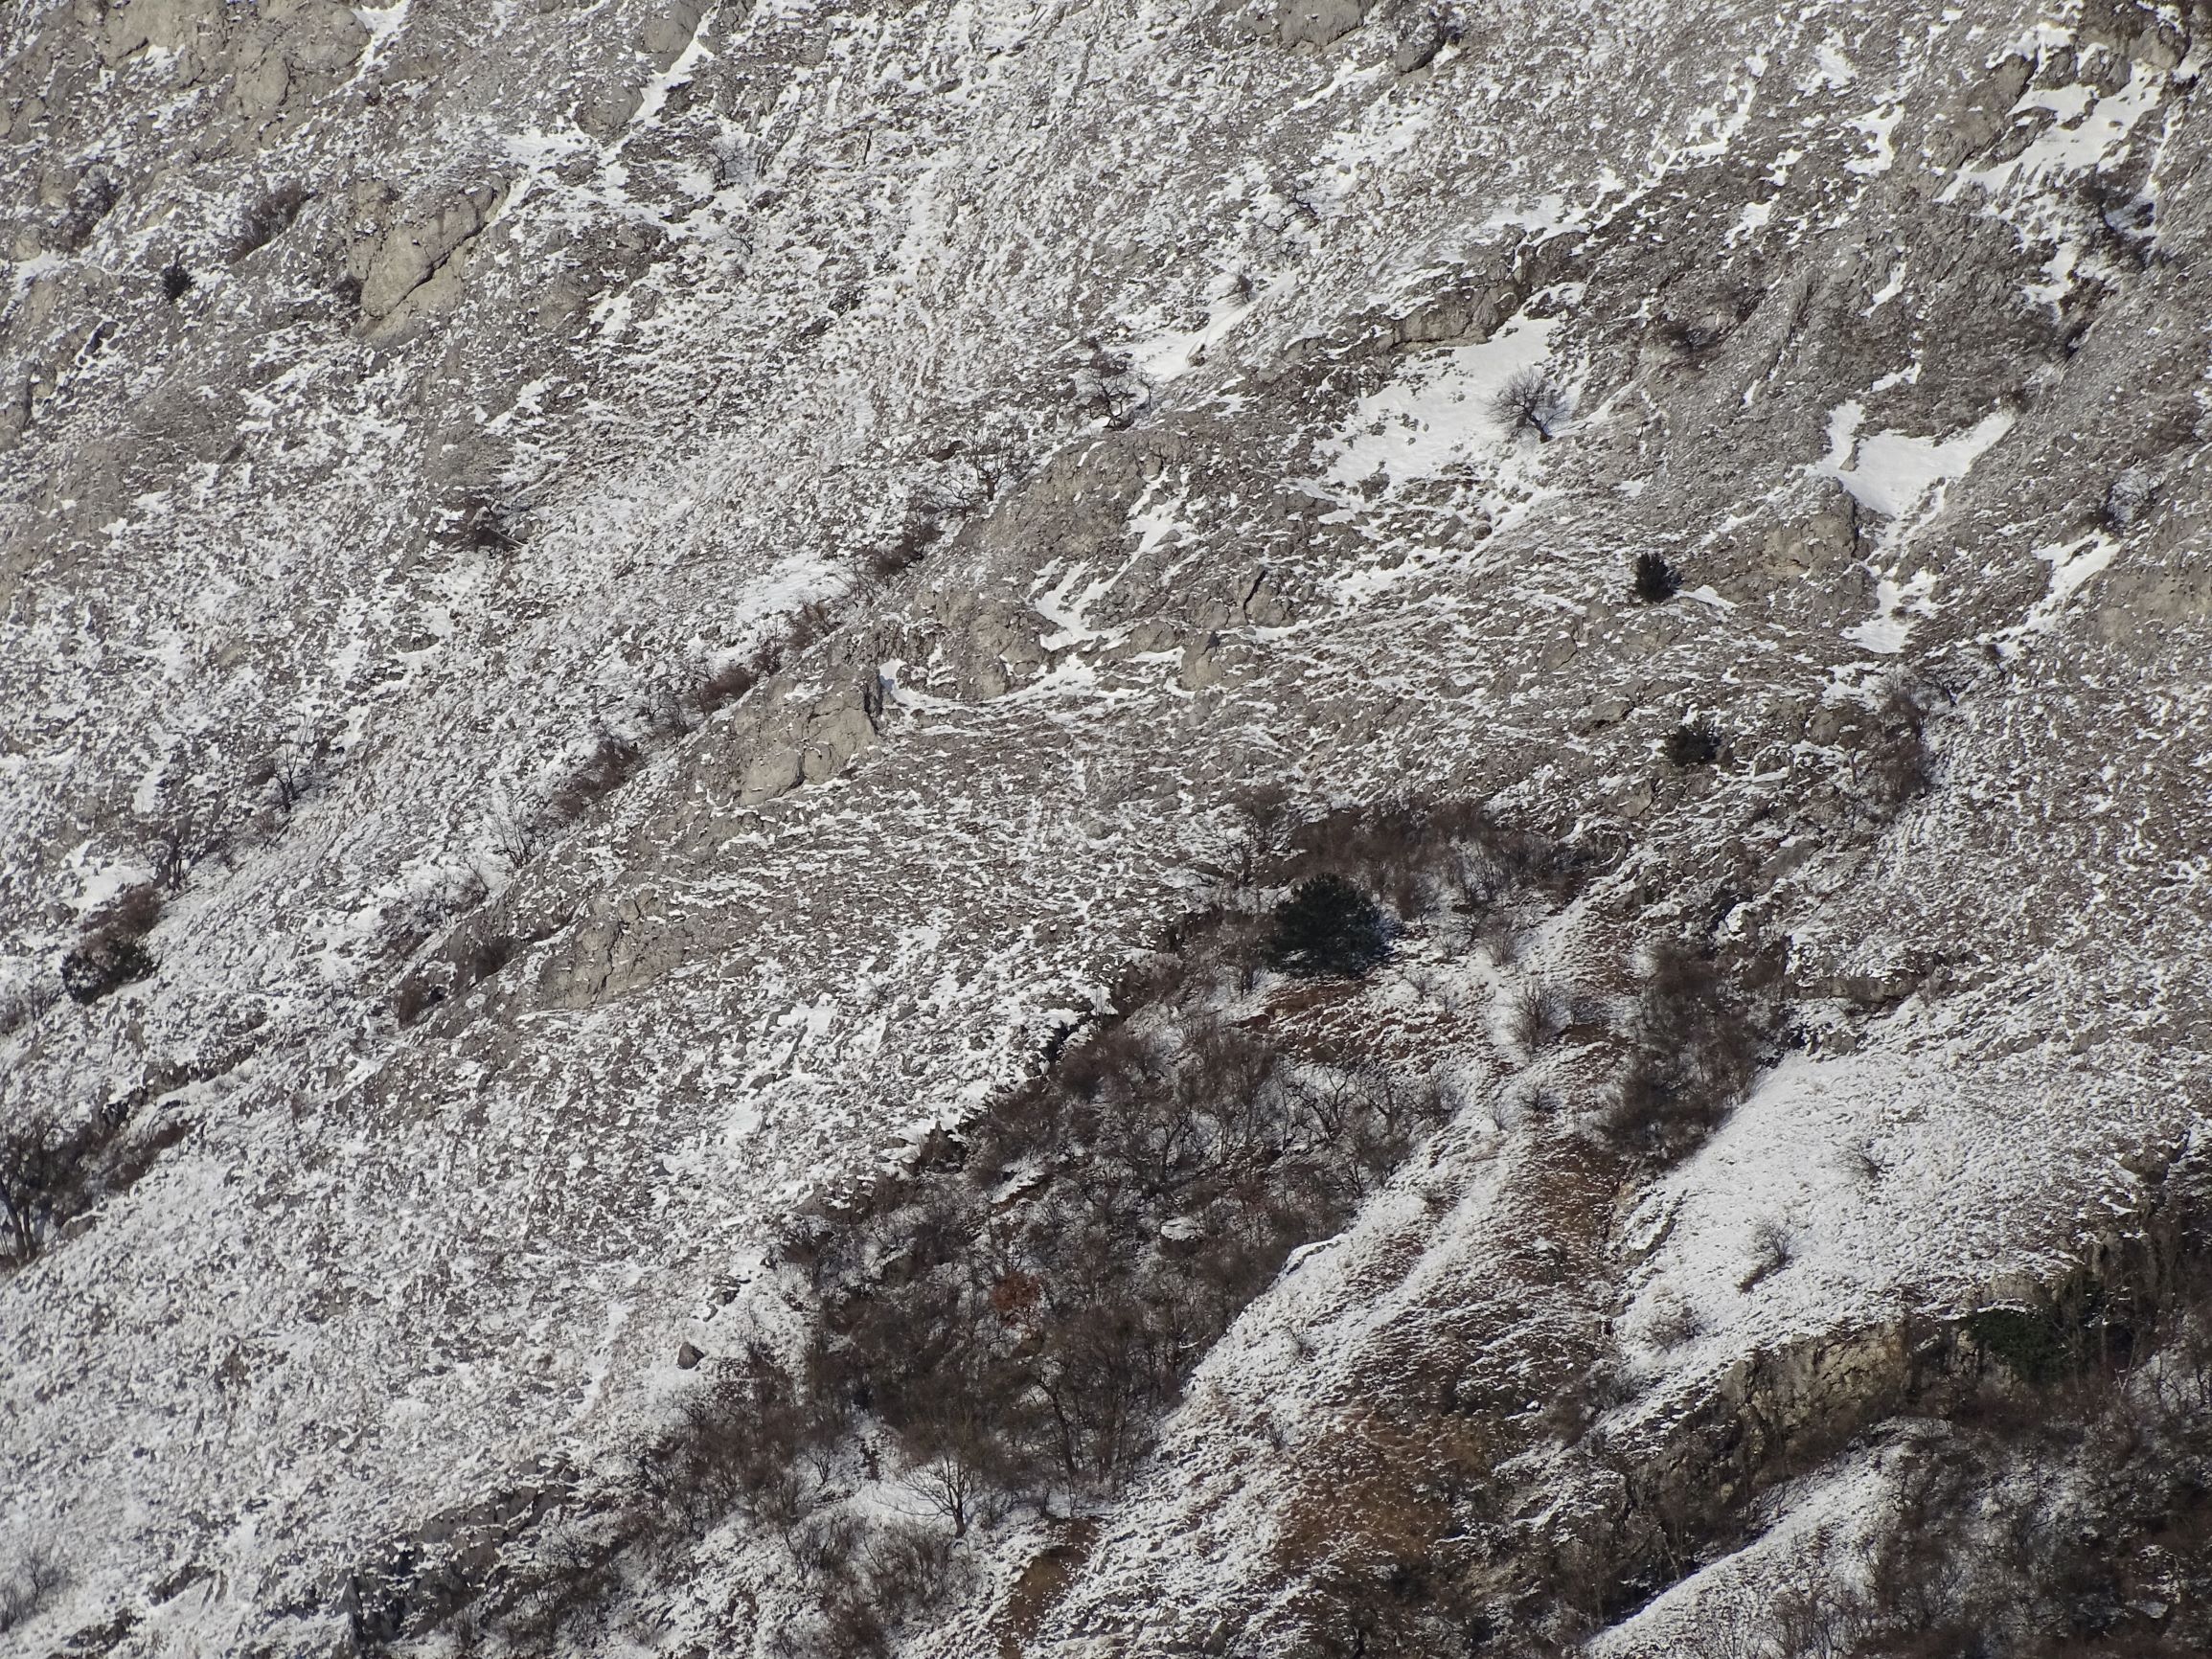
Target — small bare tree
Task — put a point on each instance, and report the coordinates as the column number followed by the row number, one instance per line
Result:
column 1531, row 400
column 950, row 1480
column 35, row 1579
column 41, row 1170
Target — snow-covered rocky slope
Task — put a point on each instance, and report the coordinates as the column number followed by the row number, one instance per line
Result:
column 422, row 425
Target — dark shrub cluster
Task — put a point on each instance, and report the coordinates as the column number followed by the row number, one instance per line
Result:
column 1329, row 929
column 1417, row 853
column 1695, row 743
column 111, row 951
column 1026, row 1317
column 1006, row 1321
column 51, row 1171
column 1697, row 1043
column 1656, row 582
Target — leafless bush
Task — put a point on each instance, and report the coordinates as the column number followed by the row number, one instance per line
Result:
column 1501, row 937
column 1771, row 1251
column 905, row 550
column 1537, row 1015
column 910, row 1570
column 34, row 1580
column 1420, row 854
column 291, row 766
column 611, row 762
column 47, row 1174
column 723, row 681
column 1859, row 1159
column 722, row 684
column 825, row 1545
column 1697, row 1044
column 1674, row 1323
column 1531, row 400
column 1039, row 1342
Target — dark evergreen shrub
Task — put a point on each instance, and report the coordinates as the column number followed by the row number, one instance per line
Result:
column 1657, row 580
column 1695, row 743
column 1329, row 929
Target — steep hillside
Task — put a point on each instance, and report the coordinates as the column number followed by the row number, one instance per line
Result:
column 663, row 671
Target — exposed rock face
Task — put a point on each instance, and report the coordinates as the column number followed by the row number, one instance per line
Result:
column 685, row 585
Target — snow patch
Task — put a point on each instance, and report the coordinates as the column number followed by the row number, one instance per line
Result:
column 1892, row 472
column 1439, row 414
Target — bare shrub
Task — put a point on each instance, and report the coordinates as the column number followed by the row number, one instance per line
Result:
column 1771, row 1251
column 35, row 1578
column 175, row 281
column 1531, row 400
column 1697, row 1045
column 1420, row 852
column 738, row 1443
column 1674, row 1323
column 910, row 1570
column 1040, row 1341
column 47, row 1174
column 825, row 1545
column 292, row 766
column 907, row 549
column 611, row 762
column 1859, row 1162
column 1501, row 937
column 953, row 1472
column 1535, row 1015
column 722, row 684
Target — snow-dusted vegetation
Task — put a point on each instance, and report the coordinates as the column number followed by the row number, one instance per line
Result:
column 1080, row 829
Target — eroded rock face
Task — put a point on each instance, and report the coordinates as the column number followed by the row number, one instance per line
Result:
column 420, row 251
column 671, row 593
